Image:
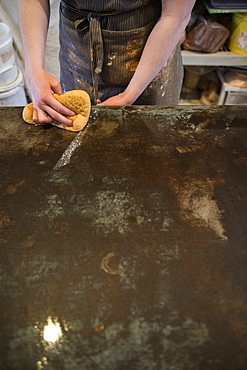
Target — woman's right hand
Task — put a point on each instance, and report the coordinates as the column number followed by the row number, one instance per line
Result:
column 46, row 108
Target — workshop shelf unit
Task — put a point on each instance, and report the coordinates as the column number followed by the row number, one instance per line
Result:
column 221, row 59
column 224, row 58
column 229, row 94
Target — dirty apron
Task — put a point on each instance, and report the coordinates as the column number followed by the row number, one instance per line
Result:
column 101, row 43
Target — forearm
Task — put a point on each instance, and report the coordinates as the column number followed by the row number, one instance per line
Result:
column 33, row 22
column 160, row 44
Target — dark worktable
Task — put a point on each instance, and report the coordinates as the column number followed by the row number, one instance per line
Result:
column 132, row 255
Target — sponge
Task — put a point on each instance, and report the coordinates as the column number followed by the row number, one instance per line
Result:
column 76, row 100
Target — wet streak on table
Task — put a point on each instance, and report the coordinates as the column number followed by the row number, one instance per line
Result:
column 135, row 251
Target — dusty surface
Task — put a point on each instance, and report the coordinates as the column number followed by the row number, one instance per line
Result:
column 134, row 251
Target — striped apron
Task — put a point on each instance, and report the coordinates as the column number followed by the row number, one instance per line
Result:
column 101, row 43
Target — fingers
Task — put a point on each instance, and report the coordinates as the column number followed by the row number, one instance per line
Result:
column 52, row 111
column 70, row 124
column 99, row 102
column 35, row 115
column 54, row 104
column 59, row 108
column 57, row 112
column 41, row 116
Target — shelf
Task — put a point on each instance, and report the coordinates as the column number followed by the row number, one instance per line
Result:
column 222, row 58
column 213, row 10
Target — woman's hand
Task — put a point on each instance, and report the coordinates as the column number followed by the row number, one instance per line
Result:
column 46, row 108
column 120, row 99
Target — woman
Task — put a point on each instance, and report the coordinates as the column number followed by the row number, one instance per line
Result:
column 120, row 51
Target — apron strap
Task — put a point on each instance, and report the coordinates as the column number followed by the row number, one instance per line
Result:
column 91, row 20
column 96, row 51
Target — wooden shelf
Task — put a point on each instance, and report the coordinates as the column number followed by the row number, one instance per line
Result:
column 222, row 58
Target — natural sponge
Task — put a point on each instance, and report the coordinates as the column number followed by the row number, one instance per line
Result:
column 76, row 100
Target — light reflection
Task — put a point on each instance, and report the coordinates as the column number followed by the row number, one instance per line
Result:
column 52, row 331
column 42, row 362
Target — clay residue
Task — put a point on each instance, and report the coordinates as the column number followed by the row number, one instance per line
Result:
column 188, row 148
column 107, row 128
column 133, row 52
column 107, row 264
column 5, row 221
column 12, row 189
column 195, row 334
column 53, row 207
column 111, row 211
column 131, row 65
column 111, row 57
column 195, row 197
column 175, row 342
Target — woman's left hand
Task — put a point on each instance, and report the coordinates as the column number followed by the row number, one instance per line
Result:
column 119, row 99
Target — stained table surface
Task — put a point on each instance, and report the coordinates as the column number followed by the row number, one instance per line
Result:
column 131, row 255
